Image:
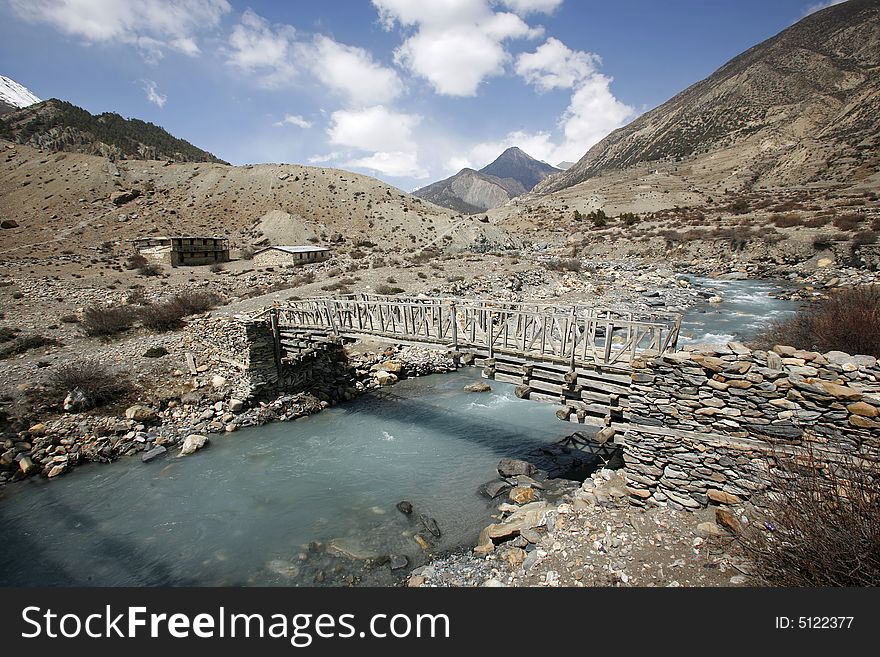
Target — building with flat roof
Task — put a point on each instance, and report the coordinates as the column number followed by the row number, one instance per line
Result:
column 274, row 256
column 184, row 250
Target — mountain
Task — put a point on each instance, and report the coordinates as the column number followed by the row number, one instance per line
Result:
column 56, row 125
column 514, row 164
column 14, row 96
column 801, row 107
column 512, row 174
column 565, row 164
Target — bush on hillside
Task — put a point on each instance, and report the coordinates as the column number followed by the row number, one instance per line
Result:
column 847, row 321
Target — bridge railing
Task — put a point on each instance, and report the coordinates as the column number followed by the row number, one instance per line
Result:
column 576, row 334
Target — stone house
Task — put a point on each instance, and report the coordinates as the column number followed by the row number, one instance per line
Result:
column 274, row 256
column 184, row 250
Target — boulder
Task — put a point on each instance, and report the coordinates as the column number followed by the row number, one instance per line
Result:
column 236, row 405
column 384, row 378
column 392, row 366
column 477, row 386
column 495, row 488
column 405, row 507
column 142, row 414
column 27, row 466
column 727, row 520
column 8, row 223
column 512, row 467
column 193, row 443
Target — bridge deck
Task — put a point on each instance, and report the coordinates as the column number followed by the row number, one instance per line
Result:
column 575, row 335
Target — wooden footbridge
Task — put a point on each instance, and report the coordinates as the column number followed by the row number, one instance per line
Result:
column 576, row 355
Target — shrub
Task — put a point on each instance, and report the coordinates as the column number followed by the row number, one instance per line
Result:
column 25, row 343
column 247, row 253
column 107, row 320
column 786, row 220
column 99, row 384
column 848, row 222
column 817, row 222
column 825, row 522
column 598, row 218
column 739, row 206
column 629, row 218
column 151, row 269
column 7, row 334
column 847, row 321
column 136, row 261
column 381, row 288
column 168, row 315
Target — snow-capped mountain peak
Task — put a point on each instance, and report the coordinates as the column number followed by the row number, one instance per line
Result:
column 15, row 95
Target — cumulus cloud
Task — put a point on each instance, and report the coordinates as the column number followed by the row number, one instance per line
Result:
column 386, row 135
column 153, row 95
column 293, row 119
column 353, row 72
column 267, row 51
column 398, row 164
column 592, row 112
column 457, row 43
column 555, row 66
column 152, row 25
column 373, row 129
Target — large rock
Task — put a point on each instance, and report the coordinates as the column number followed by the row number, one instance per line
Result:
column 478, row 386
column 76, row 401
column 193, row 443
column 38, row 430
column 142, row 414
column 121, row 198
column 9, row 223
column 512, row 467
column 27, row 466
column 521, row 495
column 384, row 378
column 392, row 366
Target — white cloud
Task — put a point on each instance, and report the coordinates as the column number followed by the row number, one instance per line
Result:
column 816, row 6
column 293, row 119
column 376, row 129
column 525, row 7
column 152, row 25
column 555, row 66
column 457, row 43
column 261, row 49
column 153, row 94
column 398, row 164
column 322, row 159
column 385, row 134
column 353, row 73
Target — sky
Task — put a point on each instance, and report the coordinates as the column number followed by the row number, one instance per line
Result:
column 408, row 91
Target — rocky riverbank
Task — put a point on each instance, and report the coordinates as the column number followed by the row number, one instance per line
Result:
column 187, row 422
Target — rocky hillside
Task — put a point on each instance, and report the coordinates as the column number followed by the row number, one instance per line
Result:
column 470, row 192
column 801, row 107
column 14, row 96
column 56, row 125
column 70, row 202
column 512, row 174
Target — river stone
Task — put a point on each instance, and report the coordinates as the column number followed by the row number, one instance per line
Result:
column 38, row 430
column 384, row 378
column 27, row 466
column 149, row 455
column 192, row 444
column 493, row 489
column 57, row 470
column 398, row 561
column 236, row 405
column 477, row 386
column 405, row 507
column 430, row 524
column 521, row 495
column 142, row 414
column 512, row 467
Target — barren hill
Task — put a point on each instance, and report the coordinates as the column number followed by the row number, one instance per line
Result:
column 801, row 107
column 62, row 202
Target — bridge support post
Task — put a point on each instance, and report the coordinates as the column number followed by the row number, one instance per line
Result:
column 454, row 318
column 276, row 339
